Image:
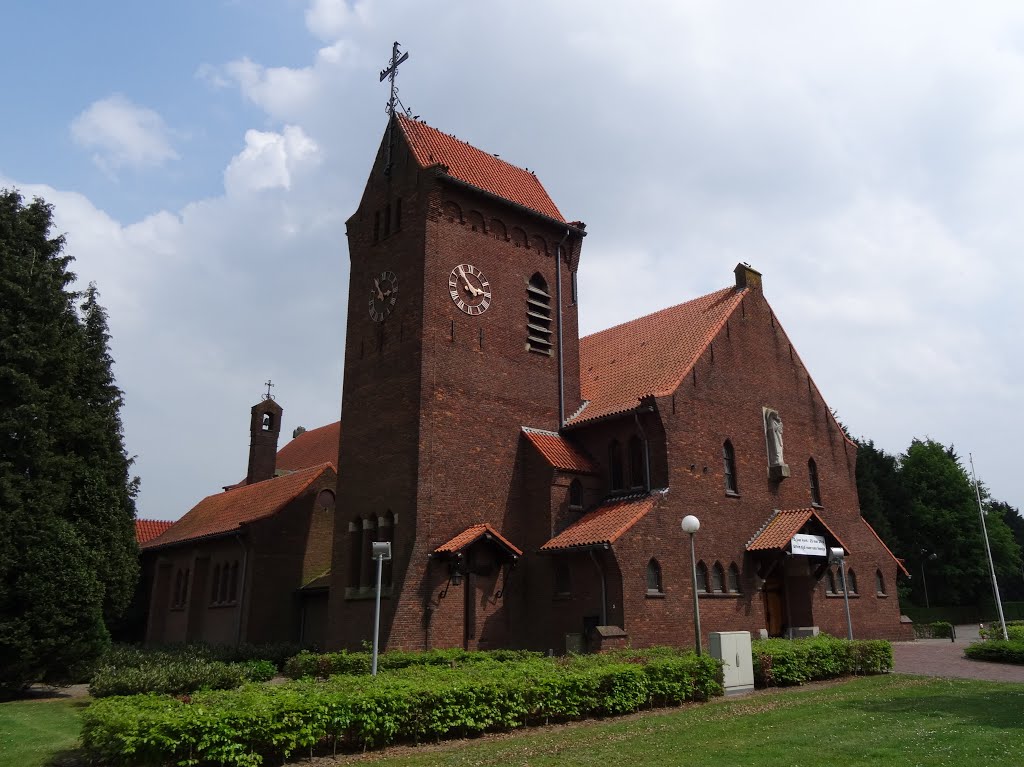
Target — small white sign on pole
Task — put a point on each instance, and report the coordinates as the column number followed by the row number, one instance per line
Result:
column 808, row 545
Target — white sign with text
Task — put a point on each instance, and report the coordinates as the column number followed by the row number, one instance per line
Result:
column 808, row 545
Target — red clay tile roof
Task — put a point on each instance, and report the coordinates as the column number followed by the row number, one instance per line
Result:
column 147, row 529
column 470, row 535
column 780, row 528
column 311, row 448
column 476, row 168
column 650, row 355
column 560, row 453
column 227, row 511
column 899, row 562
column 603, row 525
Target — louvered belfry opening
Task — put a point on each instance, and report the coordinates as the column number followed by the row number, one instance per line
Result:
column 538, row 316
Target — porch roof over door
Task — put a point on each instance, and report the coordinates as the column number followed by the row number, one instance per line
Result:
column 777, row 532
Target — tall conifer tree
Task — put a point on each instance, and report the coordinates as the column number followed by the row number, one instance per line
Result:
column 66, row 504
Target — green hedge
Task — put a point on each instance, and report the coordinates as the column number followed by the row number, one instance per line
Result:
column 936, row 630
column 997, row 651
column 244, row 727
column 323, row 665
column 994, row 630
column 785, row 662
column 178, row 671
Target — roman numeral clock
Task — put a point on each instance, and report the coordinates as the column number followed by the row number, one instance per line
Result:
column 383, row 296
column 469, row 289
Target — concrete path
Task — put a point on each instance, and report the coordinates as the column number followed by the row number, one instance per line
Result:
column 940, row 657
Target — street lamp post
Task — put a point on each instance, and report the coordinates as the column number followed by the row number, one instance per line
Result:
column 838, row 555
column 924, row 581
column 379, row 550
column 690, row 526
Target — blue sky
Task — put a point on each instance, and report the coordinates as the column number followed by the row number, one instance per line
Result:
column 203, row 157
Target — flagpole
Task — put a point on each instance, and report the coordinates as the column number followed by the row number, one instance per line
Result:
column 988, row 551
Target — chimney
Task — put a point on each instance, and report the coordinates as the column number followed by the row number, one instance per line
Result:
column 264, row 429
column 747, row 277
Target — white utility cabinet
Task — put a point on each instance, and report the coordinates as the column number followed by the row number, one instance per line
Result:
column 733, row 649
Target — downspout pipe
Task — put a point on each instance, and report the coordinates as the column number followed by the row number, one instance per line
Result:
column 241, row 587
column 647, row 453
column 604, row 589
column 561, row 358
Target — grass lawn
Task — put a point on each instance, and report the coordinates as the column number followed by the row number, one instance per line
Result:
column 33, row 733
column 884, row 720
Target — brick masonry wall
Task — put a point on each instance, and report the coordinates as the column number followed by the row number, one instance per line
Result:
column 752, row 366
column 433, row 399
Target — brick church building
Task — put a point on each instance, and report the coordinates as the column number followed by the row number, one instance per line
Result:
column 532, row 482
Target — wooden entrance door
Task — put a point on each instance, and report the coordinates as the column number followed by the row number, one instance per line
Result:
column 774, row 604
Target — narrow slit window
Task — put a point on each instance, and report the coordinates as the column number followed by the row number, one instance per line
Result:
column 615, row 465
column 812, row 476
column 654, row 585
column 729, row 468
column 576, row 495
column 538, row 316
column 702, row 577
column 717, row 579
column 733, row 579
column 636, row 463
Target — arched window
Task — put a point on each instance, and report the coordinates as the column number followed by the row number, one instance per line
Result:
column 223, row 591
column 851, row 581
column 215, row 585
column 367, row 576
column 636, row 463
column 176, row 602
column 733, row 579
column 830, row 582
column 654, row 578
column 840, row 583
column 538, row 316
column 812, row 476
column 386, row 532
column 355, row 547
column 575, row 495
column 717, row 578
column 729, row 468
column 563, row 583
column 233, row 589
column 702, row 577
column 268, row 422
column 879, row 583
column 615, row 465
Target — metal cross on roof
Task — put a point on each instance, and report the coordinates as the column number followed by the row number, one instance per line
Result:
column 389, row 72
column 268, row 384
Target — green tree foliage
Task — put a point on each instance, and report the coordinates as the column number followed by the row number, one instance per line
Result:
column 68, row 560
column 923, row 504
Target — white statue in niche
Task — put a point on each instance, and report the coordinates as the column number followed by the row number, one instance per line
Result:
column 773, row 430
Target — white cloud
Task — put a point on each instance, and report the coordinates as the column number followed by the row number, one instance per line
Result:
column 866, row 161
column 269, row 160
column 123, row 135
column 329, row 19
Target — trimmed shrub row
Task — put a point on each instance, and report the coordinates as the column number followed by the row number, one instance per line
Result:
column 783, row 662
column 175, row 676
column 994, row 630
column 323, row 665
column 244, row 727
column 997, row 651
column 936, row 630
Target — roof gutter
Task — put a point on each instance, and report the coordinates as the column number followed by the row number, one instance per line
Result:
column 641, row 408
column 441, row 173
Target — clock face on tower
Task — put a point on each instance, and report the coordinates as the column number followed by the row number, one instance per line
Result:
column 469, row 289
column 383, row 296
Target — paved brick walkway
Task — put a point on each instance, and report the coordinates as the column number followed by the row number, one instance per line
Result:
column 940, row 657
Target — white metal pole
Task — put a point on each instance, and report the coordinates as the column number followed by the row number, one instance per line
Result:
column 376, row 615
column 988, row 551
column 846, row 599
column 696, row 600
